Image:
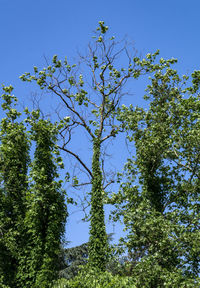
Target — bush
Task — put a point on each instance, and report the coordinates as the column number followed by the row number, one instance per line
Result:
column 89, row 278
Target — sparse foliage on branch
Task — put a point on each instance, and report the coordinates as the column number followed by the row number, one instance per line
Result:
column 92, row 104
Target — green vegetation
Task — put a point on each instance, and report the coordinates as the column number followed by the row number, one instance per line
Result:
column 158, row 197
column 14, row 152
column 33, row 209
column 162, row 213
column 89, row 278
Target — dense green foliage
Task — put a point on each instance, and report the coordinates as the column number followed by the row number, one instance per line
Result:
column 161, row 214
column 46, row 212
column 90, row 278
column 14, row 153
column 33, row 211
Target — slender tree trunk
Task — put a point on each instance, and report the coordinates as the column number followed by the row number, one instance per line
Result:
column 98, row 238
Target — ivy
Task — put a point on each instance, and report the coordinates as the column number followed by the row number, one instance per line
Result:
column 98, row 246
column 46, row 211
column 33, row 210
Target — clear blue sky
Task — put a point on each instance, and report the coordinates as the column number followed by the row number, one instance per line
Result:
column 31, row 29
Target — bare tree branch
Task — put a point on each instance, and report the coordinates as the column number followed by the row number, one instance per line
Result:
column 78, row 158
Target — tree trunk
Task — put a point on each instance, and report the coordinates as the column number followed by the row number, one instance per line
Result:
column 98, row 238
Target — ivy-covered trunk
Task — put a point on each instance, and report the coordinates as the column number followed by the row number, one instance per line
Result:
column 98, row 238
column 14, row 168
column 46, row 212
column 14, row 159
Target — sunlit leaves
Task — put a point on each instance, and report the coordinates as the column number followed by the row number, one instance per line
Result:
column 166, row 138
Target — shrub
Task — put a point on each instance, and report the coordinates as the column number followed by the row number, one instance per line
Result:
column 89, row 278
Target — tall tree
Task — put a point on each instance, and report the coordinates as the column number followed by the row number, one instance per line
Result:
column 100, row 96
column 46, row 210
column 14, row 154
column 33, row 210
column 162, row 212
